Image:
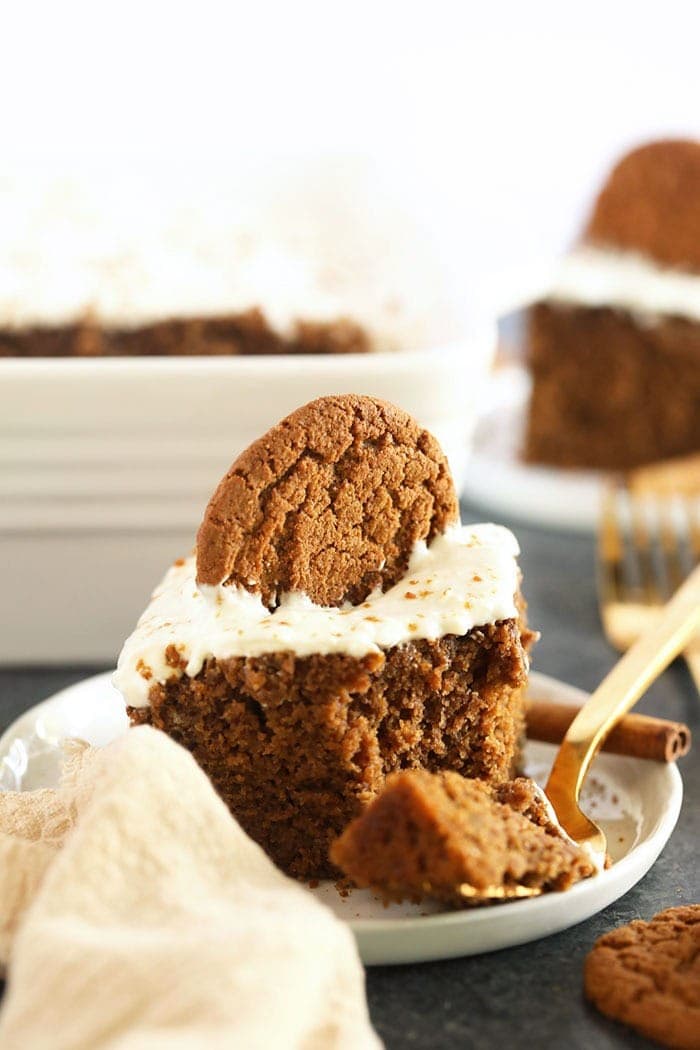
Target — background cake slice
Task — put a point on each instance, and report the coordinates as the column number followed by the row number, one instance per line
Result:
column 614, row 347
column 337, row 624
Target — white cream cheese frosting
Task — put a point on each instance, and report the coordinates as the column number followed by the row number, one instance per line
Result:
column 466, row 578
column 595, row 276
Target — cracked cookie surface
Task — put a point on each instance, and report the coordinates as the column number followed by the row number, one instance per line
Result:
column 647, row 975
column 329, row 502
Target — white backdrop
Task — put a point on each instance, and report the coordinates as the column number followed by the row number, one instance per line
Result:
column 494, row 121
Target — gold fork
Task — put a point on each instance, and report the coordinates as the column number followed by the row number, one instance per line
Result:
column 664, row 638
column 649, row 540
column 619, row 691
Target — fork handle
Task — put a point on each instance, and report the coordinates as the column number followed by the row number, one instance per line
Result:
column 622, row 687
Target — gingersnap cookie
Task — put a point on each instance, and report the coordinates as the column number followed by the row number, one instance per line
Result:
column 651, row 204
column 329, row 502
column 647, row 975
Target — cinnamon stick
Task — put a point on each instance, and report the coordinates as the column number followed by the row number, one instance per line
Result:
column 638, row 736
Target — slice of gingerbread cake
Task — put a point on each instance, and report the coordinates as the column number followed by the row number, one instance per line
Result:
column 336, row 624
column 614, row 345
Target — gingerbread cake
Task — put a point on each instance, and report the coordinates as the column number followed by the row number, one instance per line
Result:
column 323, row 264
column 440, row 835
column 614, row 345
column 336, row 624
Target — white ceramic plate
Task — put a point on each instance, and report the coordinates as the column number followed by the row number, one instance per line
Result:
column 636, row 802
column 497, row 479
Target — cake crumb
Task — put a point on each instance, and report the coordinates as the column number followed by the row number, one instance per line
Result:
column 343, row 885
column 144, row 670
column 173, row 657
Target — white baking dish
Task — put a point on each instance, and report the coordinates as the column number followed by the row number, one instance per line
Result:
column 106, row 466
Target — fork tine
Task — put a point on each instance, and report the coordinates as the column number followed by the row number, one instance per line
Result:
column 611, row 552
column 692, row 508
column 648, row 590
column 671, row 546
column 664, row 545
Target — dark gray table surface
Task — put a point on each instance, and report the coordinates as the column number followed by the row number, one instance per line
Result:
column 529, row 996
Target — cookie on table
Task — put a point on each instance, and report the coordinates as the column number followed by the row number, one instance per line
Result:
column 329, row 502
column 647, row 975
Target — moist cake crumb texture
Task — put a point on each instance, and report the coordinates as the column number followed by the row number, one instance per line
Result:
column 297, row 747
column 609, row 393
column 443, row 836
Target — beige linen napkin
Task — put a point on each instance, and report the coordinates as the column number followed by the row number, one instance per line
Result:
column 135, row 913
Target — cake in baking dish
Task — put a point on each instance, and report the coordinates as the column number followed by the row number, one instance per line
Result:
column 336, row 624
column 319, row 263
column 614, row 346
